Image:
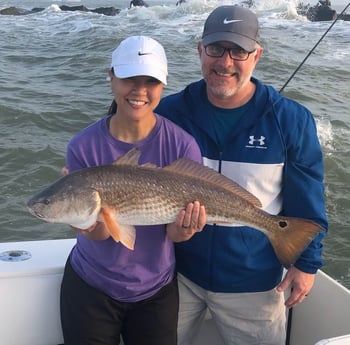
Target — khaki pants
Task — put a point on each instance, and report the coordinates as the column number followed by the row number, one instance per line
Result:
column 241, row 318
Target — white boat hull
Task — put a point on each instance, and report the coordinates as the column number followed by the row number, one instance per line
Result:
column 29, row 302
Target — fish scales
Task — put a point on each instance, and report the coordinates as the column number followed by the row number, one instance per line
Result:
column 125, row 194
column 141, row 197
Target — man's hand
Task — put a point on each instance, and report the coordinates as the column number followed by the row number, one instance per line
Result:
column 188, row 222
column 301, row 284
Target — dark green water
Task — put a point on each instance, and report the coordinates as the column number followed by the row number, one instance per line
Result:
column 53, row 69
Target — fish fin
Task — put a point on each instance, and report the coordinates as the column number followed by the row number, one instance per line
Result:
column 126, row 234
column 188, row 167
column 291, row 240
column 130, row 158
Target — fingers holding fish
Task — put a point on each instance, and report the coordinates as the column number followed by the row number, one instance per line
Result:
column 64, row 171
column 194, row 217
column 189, row 221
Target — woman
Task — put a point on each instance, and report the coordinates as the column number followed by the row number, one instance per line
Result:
column 107, row 290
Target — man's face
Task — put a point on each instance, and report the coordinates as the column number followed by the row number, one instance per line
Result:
column 226, row 77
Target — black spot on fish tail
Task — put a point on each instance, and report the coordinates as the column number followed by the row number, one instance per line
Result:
column 283, row 224
column 292, row 238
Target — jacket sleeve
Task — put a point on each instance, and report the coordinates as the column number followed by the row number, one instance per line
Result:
column 303, row 187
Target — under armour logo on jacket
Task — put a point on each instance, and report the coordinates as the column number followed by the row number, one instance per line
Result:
column 260, row 141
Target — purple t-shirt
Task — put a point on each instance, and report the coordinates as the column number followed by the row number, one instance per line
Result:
column 123, row 274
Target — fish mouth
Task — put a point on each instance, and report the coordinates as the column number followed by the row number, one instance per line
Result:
column 36, row 214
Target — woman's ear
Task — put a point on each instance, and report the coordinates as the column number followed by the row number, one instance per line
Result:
column 110, row 75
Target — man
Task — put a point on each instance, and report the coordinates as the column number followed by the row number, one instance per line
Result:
column 268, row 144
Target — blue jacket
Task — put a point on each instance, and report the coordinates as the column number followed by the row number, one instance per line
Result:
column 274, row 153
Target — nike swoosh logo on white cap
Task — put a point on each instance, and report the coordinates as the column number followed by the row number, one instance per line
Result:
column 226, row 21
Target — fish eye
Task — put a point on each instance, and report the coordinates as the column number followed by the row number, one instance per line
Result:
column 46, row 202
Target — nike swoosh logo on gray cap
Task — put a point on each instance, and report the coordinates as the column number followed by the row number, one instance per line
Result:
column 226, row 21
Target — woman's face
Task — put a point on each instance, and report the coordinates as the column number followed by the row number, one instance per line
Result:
column 136, row 97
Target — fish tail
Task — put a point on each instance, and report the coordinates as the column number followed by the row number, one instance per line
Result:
column 292, row 238
column 126, row 234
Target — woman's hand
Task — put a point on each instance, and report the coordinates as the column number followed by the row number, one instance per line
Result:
column 188, row 222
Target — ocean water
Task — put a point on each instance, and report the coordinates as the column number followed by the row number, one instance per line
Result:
column 53, row 69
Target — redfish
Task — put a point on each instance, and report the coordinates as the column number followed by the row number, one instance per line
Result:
column 125, row 194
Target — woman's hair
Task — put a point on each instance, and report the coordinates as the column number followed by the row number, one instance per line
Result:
column 113, row 107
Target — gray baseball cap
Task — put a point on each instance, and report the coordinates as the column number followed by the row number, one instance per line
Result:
column 234, row 24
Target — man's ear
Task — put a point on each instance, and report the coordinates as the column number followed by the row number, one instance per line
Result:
column 258, row 54
column 200, row 48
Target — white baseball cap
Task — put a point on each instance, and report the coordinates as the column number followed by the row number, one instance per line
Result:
column 140, row 55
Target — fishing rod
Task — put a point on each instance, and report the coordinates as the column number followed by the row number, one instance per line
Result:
column 290, row 311
column 311, row 51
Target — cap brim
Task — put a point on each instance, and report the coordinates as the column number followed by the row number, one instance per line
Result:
column 135, row 70
column 246, row 43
